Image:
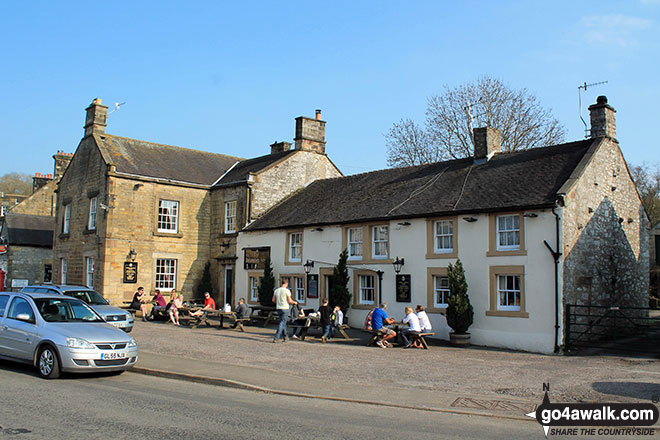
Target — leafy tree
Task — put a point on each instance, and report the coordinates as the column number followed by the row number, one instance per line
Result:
column 448, row 129
column 16, row 183
column 267, row 285
column 205, row 284
column 647, row 180
column 339, row 294
column 459, row 310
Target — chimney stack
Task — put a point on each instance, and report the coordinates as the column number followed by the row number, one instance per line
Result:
column 96, row 116
column 487, row 141
column 310, row 133
column 603, row 119
column 278, row 147
column 62, row 160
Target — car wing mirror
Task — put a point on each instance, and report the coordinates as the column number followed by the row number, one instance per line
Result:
column 25, row 317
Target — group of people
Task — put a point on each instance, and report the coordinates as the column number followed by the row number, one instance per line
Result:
column 289, row 310
column 160, row 305
column 417, row 321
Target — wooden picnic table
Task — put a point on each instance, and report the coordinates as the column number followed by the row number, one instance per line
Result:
column 314, row 322
column 271, row 316
column 214, row 314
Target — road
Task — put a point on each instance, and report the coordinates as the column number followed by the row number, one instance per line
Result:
column 136, row 406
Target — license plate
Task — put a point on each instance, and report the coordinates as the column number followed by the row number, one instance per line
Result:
column 110, row 356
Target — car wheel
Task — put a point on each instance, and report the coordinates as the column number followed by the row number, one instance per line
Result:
column 47, row 363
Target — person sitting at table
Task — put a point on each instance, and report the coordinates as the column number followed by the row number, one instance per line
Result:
column 297, row 318
column 177, row 303
column 379, row 319
column 140, row 302
column 209, row 304
column 337, row 319
column 413, row 327
column 159, row 304
column 424, row 321
column 242, row 311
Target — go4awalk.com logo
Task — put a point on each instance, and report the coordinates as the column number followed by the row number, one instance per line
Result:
column 598, row 419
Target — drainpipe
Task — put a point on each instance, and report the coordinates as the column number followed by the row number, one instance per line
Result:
column 556, row 255
column 380, row 287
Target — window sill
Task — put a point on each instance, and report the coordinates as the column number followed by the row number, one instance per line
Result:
column 168, row 234
column 506, row 253
column 63, row 236
column 363, row 306
column 442, row 255
column 507, row 313
column 293, row 263
column 372, row 261
column 89, row 231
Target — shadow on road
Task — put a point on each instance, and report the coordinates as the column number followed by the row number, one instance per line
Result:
column 638, row 390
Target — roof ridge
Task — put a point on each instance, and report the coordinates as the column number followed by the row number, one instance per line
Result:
column 173, row 146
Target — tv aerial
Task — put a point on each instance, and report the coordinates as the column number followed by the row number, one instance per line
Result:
column 117, row 105
column 584, row 87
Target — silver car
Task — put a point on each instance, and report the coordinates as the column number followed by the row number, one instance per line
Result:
column 58, row 333
column 114, row 315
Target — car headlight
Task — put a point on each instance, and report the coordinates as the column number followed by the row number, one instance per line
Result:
column 132, row 343
column 78, row 343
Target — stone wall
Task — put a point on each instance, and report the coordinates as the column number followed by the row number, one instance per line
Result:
column 27, row 263
column 605, row 230
column 40, row 202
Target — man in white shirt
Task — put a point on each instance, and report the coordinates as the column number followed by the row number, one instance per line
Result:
column 424, row 322
column 282, row 300
column 413, row 327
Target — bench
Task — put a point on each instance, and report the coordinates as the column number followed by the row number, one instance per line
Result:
column 420, row 337
column 315, row 324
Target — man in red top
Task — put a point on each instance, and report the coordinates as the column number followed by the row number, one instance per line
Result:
column 209, row 304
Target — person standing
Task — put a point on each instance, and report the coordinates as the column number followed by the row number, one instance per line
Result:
column 325, row 311
column 282, row 300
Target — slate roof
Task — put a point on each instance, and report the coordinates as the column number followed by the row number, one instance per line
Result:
column 132, row 156
column 241, row 171
column 508, row 181
column 29, row 230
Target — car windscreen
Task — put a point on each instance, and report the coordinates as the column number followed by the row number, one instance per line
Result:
column 88, row 296
column 65, row 310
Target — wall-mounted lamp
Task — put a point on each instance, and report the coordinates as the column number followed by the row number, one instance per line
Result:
column 132, row 254
column 470, row 219
column 403, row 223
column 137, row 186
column 398, row 263
column 530, row 215
column 308, row 266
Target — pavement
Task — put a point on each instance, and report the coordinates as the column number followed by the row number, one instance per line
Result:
column 475, row 380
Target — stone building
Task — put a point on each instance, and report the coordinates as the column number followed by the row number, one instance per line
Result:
column 131, row 212
column 535, row 230
column 8, row 201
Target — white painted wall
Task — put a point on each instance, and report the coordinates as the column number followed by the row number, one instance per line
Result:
column 535, row 333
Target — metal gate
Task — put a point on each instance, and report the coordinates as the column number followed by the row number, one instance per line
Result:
column 613, row 329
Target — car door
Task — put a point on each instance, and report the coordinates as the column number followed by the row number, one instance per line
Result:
column 4, row 299
column 20, row 336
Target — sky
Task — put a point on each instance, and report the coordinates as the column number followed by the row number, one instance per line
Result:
column 230, row 77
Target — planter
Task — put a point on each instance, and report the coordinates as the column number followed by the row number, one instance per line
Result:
column 459, row 339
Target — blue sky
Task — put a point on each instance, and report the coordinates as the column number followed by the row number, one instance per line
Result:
column 230, row 77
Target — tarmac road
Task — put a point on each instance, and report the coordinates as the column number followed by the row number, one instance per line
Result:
column 136, row 406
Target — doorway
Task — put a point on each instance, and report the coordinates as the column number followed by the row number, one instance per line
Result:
column 229, row 285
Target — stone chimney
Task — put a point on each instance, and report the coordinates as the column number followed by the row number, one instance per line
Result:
column 487, row 141
column 40, row 180
column 96, row 116
column 310, row 133
column 62, row 160
column 278, row 147
column 603, row 119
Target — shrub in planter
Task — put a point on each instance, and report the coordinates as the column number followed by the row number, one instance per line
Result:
column 459, row 310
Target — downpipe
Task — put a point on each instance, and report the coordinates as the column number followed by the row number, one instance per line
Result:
column 556, row 255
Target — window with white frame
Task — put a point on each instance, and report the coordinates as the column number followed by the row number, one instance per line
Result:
column 354, row 237
column 3, row 210
column 508, row 232
column 165, row 274
column 89, row 266
column 63, row 270
column 168, row 216
column 230, row 217
column 367, row 289
column 67, row 219
column 443, row 232
column 380, row 240
column 440, row 291
column 295, row 247
column 254, row 289
column 299, row 289
column 508, row 292
column 91, row 224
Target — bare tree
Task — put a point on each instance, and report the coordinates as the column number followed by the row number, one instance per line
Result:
column 450, row 116
column 647, row 180
column 16, row 183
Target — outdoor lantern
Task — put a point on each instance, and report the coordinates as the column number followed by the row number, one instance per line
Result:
column 308, row 265
column 398, row 262
column 132, row 254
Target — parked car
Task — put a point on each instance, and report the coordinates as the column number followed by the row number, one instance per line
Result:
column 114, row 315
column 58, row 333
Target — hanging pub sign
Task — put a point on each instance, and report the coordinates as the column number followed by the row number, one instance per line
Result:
column 255, row 258
column 403, row 288
column 312, row 286
column 130, row 272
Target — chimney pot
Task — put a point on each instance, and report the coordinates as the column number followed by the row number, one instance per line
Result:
column 318, row 114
